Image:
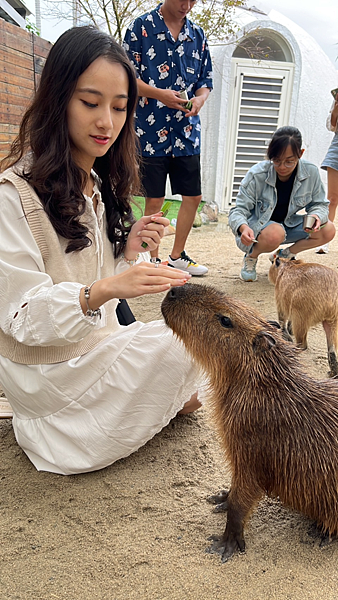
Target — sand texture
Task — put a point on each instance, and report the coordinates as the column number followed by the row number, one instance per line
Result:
column 138, row 529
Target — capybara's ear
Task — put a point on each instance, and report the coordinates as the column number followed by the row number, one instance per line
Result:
column 275, row 324
column 293, row 258
column 277, row 262
column 263, row 342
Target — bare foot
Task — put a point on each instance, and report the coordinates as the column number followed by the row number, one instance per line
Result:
column 190, row 406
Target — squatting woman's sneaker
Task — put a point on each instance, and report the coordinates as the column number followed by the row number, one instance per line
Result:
column 185, row 263
column 248, row 272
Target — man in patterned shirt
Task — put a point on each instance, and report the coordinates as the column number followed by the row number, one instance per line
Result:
column 170, row 54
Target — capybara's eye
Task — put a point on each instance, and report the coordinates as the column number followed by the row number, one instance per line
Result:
column 225, row 321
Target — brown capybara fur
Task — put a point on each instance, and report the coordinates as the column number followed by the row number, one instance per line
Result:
column 278, row 426
column 307, row 294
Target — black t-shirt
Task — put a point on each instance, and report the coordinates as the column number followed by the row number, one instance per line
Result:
column 284, row 189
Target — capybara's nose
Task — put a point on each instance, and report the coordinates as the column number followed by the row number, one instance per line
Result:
column 177, row 292
column 172, row 293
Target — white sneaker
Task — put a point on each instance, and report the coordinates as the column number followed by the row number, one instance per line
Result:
column 248, row 271
column 185, row 263
column 323, row 249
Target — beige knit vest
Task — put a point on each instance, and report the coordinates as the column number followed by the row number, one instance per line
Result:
column 78, row 267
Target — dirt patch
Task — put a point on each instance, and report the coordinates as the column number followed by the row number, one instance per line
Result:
column 139, row 529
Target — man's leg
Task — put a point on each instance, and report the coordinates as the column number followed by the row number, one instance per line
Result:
column 332, row 196
column 154, row 175
column 332, row 192
column 152, row 206
column 185, row 218
column 185, row 179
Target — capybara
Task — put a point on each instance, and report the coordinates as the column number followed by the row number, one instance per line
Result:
column 278, row 426
column 307, row 294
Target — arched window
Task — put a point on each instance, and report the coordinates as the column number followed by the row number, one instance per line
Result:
column 262, row 72
column 265, row 45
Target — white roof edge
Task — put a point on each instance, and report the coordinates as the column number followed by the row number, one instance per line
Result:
column 13, row 13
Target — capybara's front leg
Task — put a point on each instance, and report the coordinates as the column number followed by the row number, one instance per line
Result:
column 220, row 499
column 239, row 503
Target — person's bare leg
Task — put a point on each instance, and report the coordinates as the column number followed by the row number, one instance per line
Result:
column 332, row 192
column 185, row 218
column 152, row 206
column 190, row 406
column 268, row 240
column 319, row 238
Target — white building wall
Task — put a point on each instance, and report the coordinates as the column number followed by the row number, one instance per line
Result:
column 318, row 77
column 314, row 77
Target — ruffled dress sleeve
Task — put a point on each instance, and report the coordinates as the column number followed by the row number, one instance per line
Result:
column 33, row 310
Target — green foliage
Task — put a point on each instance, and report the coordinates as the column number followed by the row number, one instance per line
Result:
column 113, row 16
column 32, row 27
column 216, row 18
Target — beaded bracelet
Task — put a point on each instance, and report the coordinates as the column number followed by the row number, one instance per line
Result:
column 129, row 262
column 90, row 312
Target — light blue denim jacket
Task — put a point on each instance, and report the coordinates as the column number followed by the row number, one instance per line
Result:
column 257, row 198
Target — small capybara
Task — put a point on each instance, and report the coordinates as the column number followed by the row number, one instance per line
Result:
column 307, row 294
column 278, row 426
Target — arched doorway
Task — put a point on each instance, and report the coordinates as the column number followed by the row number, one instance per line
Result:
column 259, row 102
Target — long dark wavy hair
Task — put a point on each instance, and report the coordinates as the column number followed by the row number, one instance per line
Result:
column 52, row 172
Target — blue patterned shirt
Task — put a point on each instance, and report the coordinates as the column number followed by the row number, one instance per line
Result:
column 162, row 62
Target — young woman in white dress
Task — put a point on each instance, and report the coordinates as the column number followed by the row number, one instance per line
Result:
column 85, row 391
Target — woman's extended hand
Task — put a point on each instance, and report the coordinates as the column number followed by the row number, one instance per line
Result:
column 148, row 229
column 147, row 278
column 140, row 279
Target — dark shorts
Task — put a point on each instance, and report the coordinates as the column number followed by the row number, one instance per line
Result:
column 184, row 174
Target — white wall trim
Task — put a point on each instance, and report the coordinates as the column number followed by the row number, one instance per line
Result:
column 19, row 20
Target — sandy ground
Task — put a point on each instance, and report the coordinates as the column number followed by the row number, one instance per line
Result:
column 139, row 529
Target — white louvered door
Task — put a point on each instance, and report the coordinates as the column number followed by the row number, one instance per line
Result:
column 259, row 104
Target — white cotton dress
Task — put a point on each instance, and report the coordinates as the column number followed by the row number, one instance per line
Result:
column 83, row 414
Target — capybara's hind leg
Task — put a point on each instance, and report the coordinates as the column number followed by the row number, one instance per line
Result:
column 220, row 499
column 331, row 339
column 333, row 363
column 284, row 323
column 300, row 331
column 240, row 502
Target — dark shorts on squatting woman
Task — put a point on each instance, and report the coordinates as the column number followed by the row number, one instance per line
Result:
column 331, row 158
column 184, row 174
